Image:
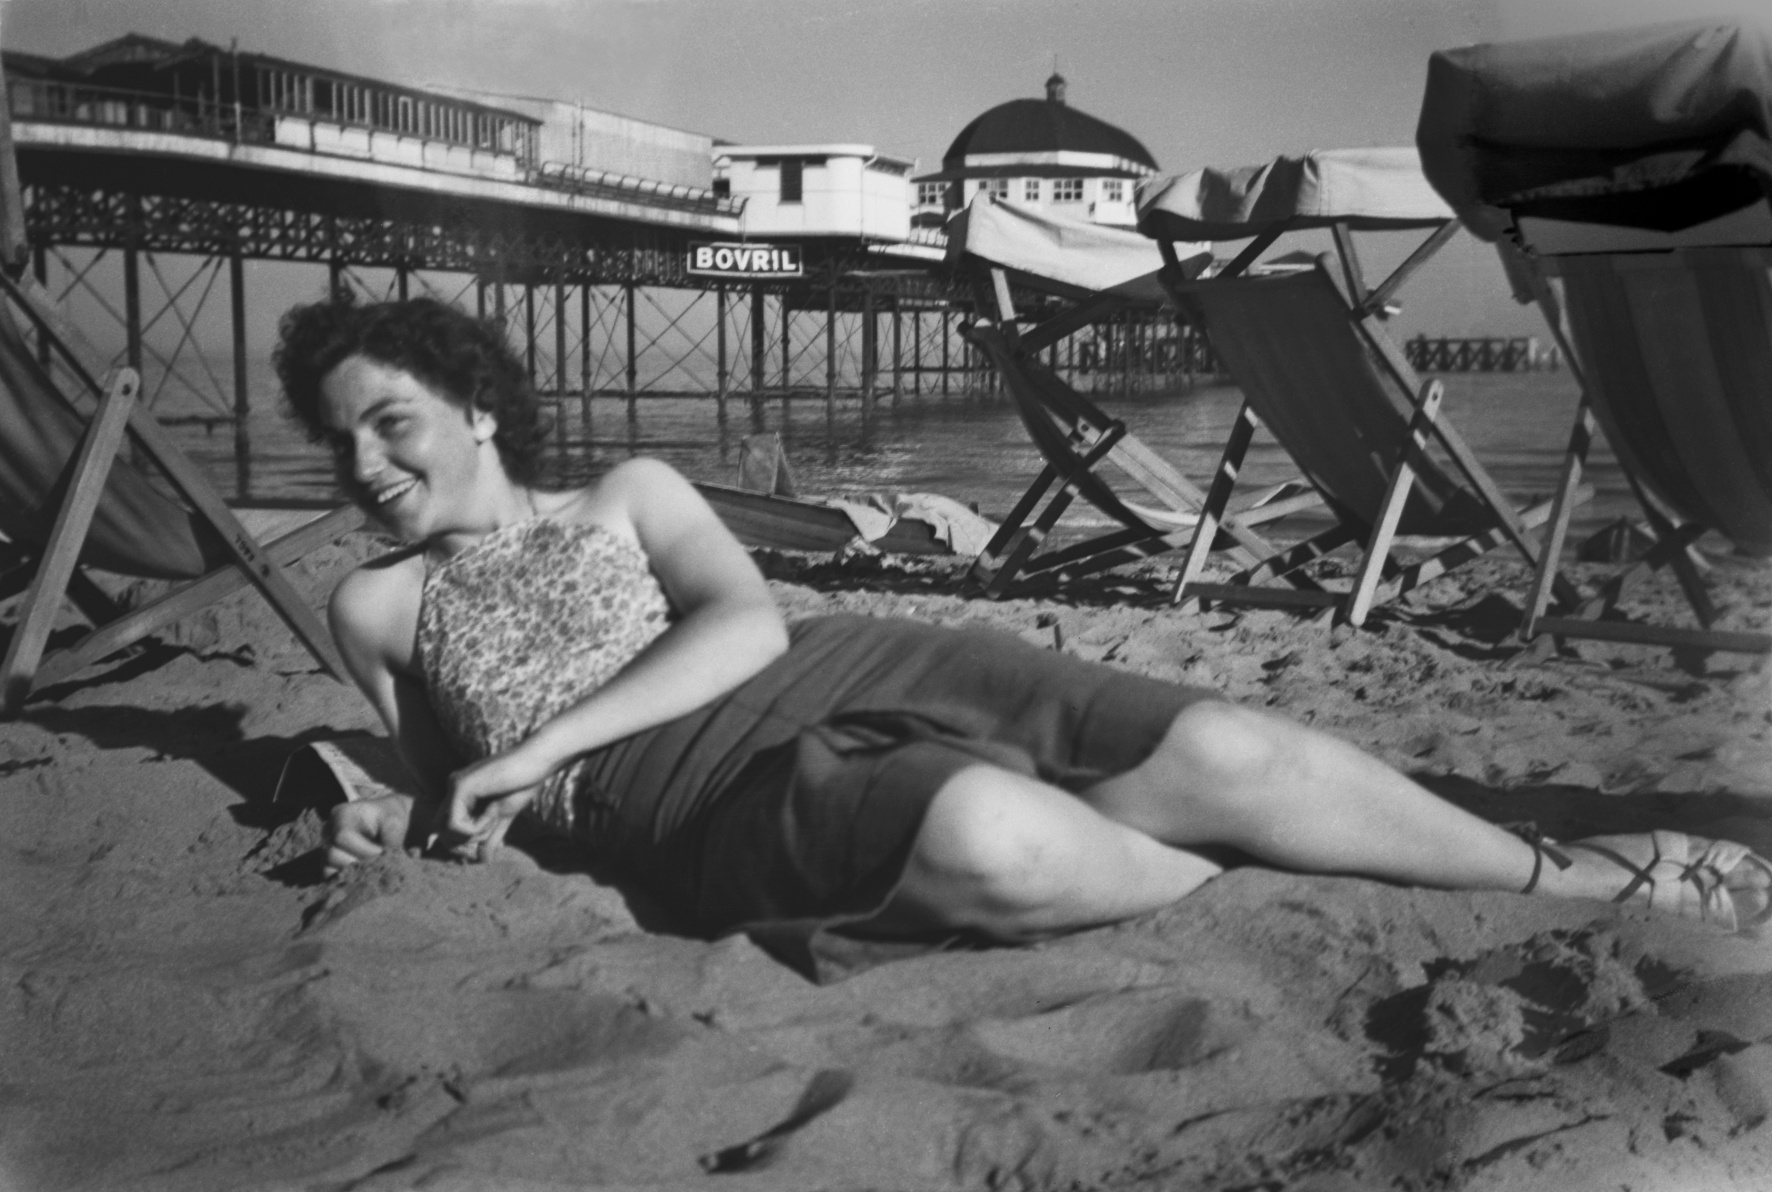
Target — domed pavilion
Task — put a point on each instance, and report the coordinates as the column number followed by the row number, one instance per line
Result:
column 1042, row 153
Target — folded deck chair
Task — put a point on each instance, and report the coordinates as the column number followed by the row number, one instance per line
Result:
column 69, row 500
column 1307, row 345
column 1624, row 178
column 1082, row 273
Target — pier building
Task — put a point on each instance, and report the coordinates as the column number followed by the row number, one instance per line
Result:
column 817, row 190
column 154, row 171
column 1042, row 153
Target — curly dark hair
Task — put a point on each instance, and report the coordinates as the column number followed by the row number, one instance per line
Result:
column 464, row 359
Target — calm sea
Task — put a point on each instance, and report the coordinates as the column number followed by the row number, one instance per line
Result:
column 969, row 447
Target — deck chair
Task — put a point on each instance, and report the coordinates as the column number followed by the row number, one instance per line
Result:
column 69, row 500
column 1079, row 274
column 1306, row 343
column 1652, row 268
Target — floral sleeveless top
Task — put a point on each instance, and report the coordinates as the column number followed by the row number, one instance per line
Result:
column 531, row 618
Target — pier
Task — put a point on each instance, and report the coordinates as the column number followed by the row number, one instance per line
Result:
column 154, row 172
column 1519, row 353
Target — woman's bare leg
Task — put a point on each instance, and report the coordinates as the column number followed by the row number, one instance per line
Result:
column 1017, row 859
column 1295, row 797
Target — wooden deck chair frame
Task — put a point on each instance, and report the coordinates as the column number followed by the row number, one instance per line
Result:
column 53, row 571
column 1076, row 438
column 1673, row 534
column 1379, row 577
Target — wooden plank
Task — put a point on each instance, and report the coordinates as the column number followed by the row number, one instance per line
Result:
column 1041, row 395
column 1038, row 339
column 1667, row 530
column 1658, row 635
column 1384, row 529
column 248, row 554
column 1350, row 263
column 1236, row 445
column 92, row 464
column 1285, row 562
column 1024, row 506
column 1145, row 546
column 1004, row 303
column 1374, row 303
column 1260, row 512
column 1466, row 460
column 1568, row 478
column 203, row 497
column 1459, row 553
column 1263, row 596
column 1241, row 262
column 189, row 597
column 1021, row 548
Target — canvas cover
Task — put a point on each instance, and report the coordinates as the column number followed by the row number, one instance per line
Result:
column 1660, row 127
column 137, row 530
column 1063, row 256
column 1367, row 189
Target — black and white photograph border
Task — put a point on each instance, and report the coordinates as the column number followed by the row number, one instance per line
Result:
column 900, row 313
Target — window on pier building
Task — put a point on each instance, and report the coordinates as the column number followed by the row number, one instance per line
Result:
column 1030, row 190
column 1067, row 190
column 932, row 194
column 793, row 179
column 1113, row 190
column 997, row 188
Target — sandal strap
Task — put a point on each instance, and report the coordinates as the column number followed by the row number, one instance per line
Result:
column 1765, row 912
column 1528, row 831
column 1640, row 875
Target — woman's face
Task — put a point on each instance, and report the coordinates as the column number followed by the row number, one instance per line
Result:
column 406, row 453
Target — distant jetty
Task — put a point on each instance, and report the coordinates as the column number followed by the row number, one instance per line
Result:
column 1494, row 353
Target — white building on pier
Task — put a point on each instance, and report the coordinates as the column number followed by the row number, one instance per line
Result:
column 1041, row 153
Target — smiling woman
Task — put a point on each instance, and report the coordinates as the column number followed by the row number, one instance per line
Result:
column 609, row 661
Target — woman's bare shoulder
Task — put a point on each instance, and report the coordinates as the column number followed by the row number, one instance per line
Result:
column 611, row 500
column 375, row 607
column 641, row 474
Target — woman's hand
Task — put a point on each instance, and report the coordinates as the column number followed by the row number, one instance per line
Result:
column 366, row 828
column 485, row 798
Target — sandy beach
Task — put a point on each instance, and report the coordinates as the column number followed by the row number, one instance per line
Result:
column 189, row 1005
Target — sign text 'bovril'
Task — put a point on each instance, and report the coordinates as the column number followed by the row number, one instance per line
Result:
column 744, row 260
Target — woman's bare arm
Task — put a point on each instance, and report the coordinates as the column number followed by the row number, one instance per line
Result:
column 728, row 630
column 372, row 615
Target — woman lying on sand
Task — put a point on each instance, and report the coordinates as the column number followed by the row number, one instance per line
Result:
column 609, row 660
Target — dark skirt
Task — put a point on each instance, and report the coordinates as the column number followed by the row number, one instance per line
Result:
column 787, row 809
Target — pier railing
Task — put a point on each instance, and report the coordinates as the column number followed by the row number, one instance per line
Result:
column 54, row 102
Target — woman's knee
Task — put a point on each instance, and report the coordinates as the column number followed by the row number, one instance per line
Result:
column 989, row 853
column 1218, row 746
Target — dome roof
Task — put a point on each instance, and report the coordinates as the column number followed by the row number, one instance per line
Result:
column 1043, row 126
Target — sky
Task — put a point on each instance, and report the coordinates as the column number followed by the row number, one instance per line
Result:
column 1199, row 82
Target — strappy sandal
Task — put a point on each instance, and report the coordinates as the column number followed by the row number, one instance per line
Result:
column 1543, row 848
column 1678, row 883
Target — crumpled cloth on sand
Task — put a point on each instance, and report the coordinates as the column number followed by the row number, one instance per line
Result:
column 964, row 531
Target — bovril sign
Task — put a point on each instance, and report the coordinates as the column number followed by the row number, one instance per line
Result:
column 744, row 260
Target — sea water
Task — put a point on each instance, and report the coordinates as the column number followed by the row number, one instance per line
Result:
column 968, row 446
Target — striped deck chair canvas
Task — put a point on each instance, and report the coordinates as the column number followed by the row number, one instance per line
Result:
column 1342, row 400
column 1308, row 348
column 1083, row 274
column 1625, row 177
column 71, row 500
column 1674, row 353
